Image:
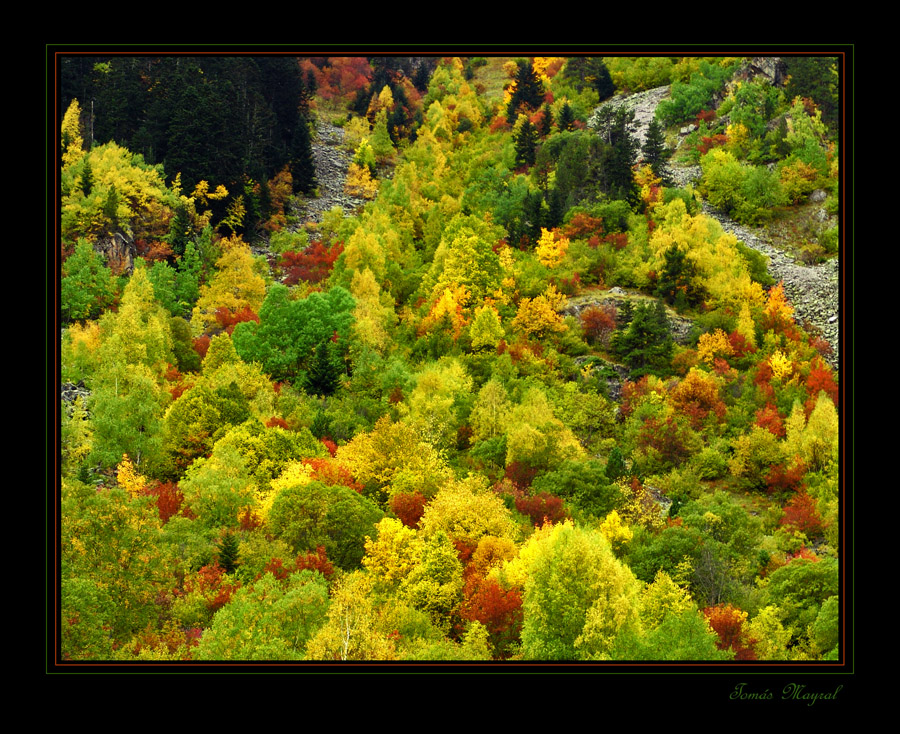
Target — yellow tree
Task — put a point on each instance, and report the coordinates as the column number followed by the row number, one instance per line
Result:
column 578, row 596
column 435, row 405
column 373, row 315
column 491, row 412
column 539, row 316
column 486, row 329
column 467, row 511
column 71, row 142
column 394, row 552
column 551, row 248
column 354, row 629
column 393, row 458
column 236, row 285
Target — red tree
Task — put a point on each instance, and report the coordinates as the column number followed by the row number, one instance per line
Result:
column 598, row 323
column 313, row 264
column 498, row 610
column 541, row 508
column 728, row 623
column 802, row 513
column 408, row 507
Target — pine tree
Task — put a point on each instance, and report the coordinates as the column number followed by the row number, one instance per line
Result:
column 675, row 281
column 654, row 149
column 526, row 143
column 546, row 125
column 323, row 377
column 646, row 346
column 615, row 465
column 179, row 229
column 228, row 553
column 87, row 177
column 603, row 82
column 527, row 91
column 566, row 118
column 303, row 167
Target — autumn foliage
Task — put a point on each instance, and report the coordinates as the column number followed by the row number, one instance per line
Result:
column 598, row 323
column 542, row 508
column 312, row 264
column 408, row 507
column 499, row 610
column 802, row 514
column 727, row 622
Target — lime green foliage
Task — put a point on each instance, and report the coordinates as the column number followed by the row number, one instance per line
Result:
column 636, row 73
column 582, row 483
column 87, row 286
column 218, row 488
column 435, row 585
column 109, row 541
column 578, row 597
column 800, row 590
column 270, row 620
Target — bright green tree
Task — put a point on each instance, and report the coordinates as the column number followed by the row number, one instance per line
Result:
column 270, row 620
column 578, row 598
column 87, row 286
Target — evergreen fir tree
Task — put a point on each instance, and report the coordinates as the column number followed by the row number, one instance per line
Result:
column 556, row 209
column 303, row 167
column 228, row 553
column 646, row 346
column 527, row 91
column 87, row 177
column 323, row 377
column 526, row 144
column 615, row 175
column 675, row 282
column 111, row 209
column 615, row 465
column 566, row 118
column 654, row 149
column 546, row 126
column 179, row 230
column 603, row 82
column 321, row 425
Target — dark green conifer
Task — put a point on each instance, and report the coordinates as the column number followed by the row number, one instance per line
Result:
column 303, row 167
column 87, row 177
column 646, row 345
column 546, row 125
column 654, row 149
column 526, row 144
column 566, row 119
column 528, row 92
column 228, row 553
column 323, row 377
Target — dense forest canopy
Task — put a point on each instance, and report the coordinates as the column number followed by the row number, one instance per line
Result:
column 517, row 392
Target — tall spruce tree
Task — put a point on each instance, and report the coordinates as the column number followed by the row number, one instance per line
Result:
column 526, row 143
column 654, row 149
column 228, row 554
column 302, row 163
column 527, row 93
column 614, row 165
column 646, row 345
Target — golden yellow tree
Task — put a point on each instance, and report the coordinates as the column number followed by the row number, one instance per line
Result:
column 236, row 285
column 539, row 316
column 551, row 248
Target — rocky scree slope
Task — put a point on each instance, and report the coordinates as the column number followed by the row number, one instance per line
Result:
column 812, row 289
